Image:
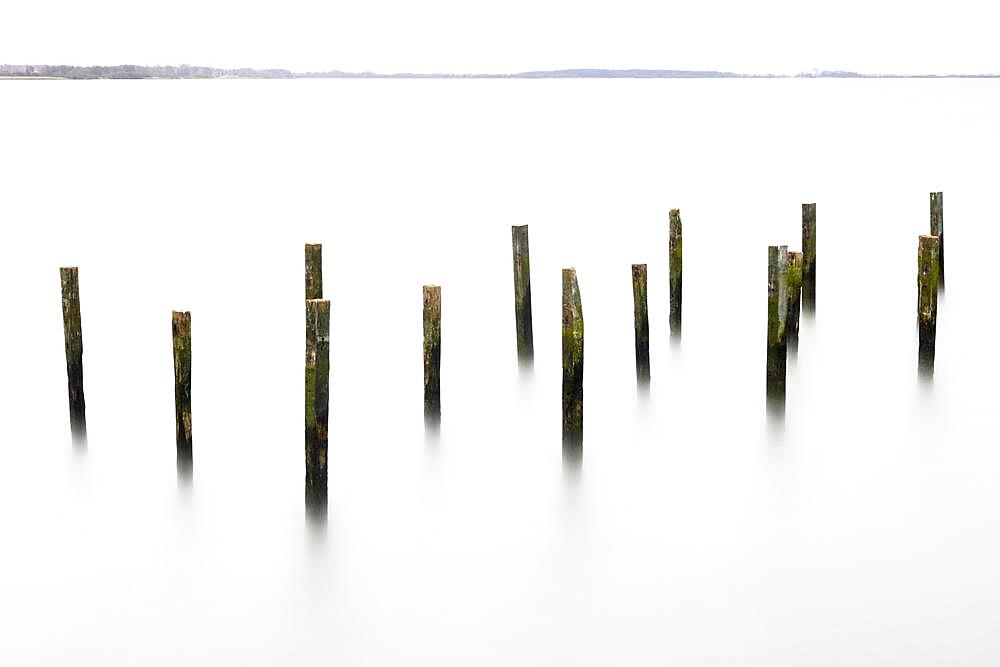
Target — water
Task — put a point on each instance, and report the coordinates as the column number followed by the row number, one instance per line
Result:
column 861, row 532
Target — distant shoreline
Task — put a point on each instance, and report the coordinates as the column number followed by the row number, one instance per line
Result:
column 9, row 72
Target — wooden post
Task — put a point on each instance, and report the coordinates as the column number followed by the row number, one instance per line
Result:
column 777, row 302
column 522, row 296
column 314, row 271
column 317, row 403
column 676, row 272
column 432, row 356
column 73, row 338
column 937, row 229
column 928, row 266
column 809, row 258
column 181, row 326
column 641, row 324
column 794, row 300
column 572, row 372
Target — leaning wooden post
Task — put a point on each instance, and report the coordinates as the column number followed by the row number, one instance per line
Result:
column 314, row 271
column 181, row 326
column 928, row 267
column 317, row 403
column 641, row 324
column 73, row 338
column 937, row 229
column 432, row 356
column 572, row 372
column 809, row 258
column 777, row 302
column 794, row 300
column 676, row 272
column 522, row 295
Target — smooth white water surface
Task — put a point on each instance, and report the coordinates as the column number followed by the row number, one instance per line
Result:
column 863, row 532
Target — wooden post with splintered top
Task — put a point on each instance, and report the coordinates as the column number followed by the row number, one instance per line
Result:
column 641, row 324
column 73, row 338
column 181, row 327
column 809, row 258
column 676, row 272
column 522, row 295
column 937, row 229
column 572, row 370
column 777, row 302
column 314, row 271
column 317, row 403
column 432, row 356
column 794, row 300
column 928, row 266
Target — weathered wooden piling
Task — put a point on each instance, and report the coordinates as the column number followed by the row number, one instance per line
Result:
column 641, row 324
column 522, row 295
column 572, row 372
column 181, row 327
column 432, row 356
column 73, row 338
column 317, row 403
column 314, row 271
column 676, row 272
column 777, row 302
column 809, row 258
column 794, row 300
column 928, row 267
column 937, row 229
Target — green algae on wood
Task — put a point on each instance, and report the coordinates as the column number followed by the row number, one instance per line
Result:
column 522, row 295
column 794, row 300
column 641, row 313
column 73, row 339
column 181, row 328
column 314, row 271
column 317, row 404
column 432, row 356
column 809, row 258
column 572, row 367
column 928, row 266
column 676, row 272
column 777, row 302
column 937, row 229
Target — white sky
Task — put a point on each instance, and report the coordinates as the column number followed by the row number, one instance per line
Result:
column 515, row 35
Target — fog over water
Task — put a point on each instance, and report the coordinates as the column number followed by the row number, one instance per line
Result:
column 861, row 532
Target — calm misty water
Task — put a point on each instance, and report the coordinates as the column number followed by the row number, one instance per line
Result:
column 864, row 532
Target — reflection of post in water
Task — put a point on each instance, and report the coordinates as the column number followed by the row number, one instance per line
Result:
column 641, row 318
column 937, row 229
column 181, row 327
column 73, row 338
column 794, row 300
column 928, row 266
column 432, row 357
column 777, row 304
column 522, row 296
column 572, row 372
column 676, row 272
column 317, row 403
column 809, row 258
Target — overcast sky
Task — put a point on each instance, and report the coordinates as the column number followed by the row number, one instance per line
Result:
column 779, row 36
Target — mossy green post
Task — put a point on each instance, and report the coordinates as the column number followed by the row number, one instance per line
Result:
column 676, row 272
column 572, row 370
column 181, row 327
column 809, row 258
column 937, row 229
column 641, row 313
column 777, row 306
column 314, row 271
column 317, row 403
column 928, row 267
column 432, row 356
column 73, row 339
column 522, row 295
column 794, row 300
